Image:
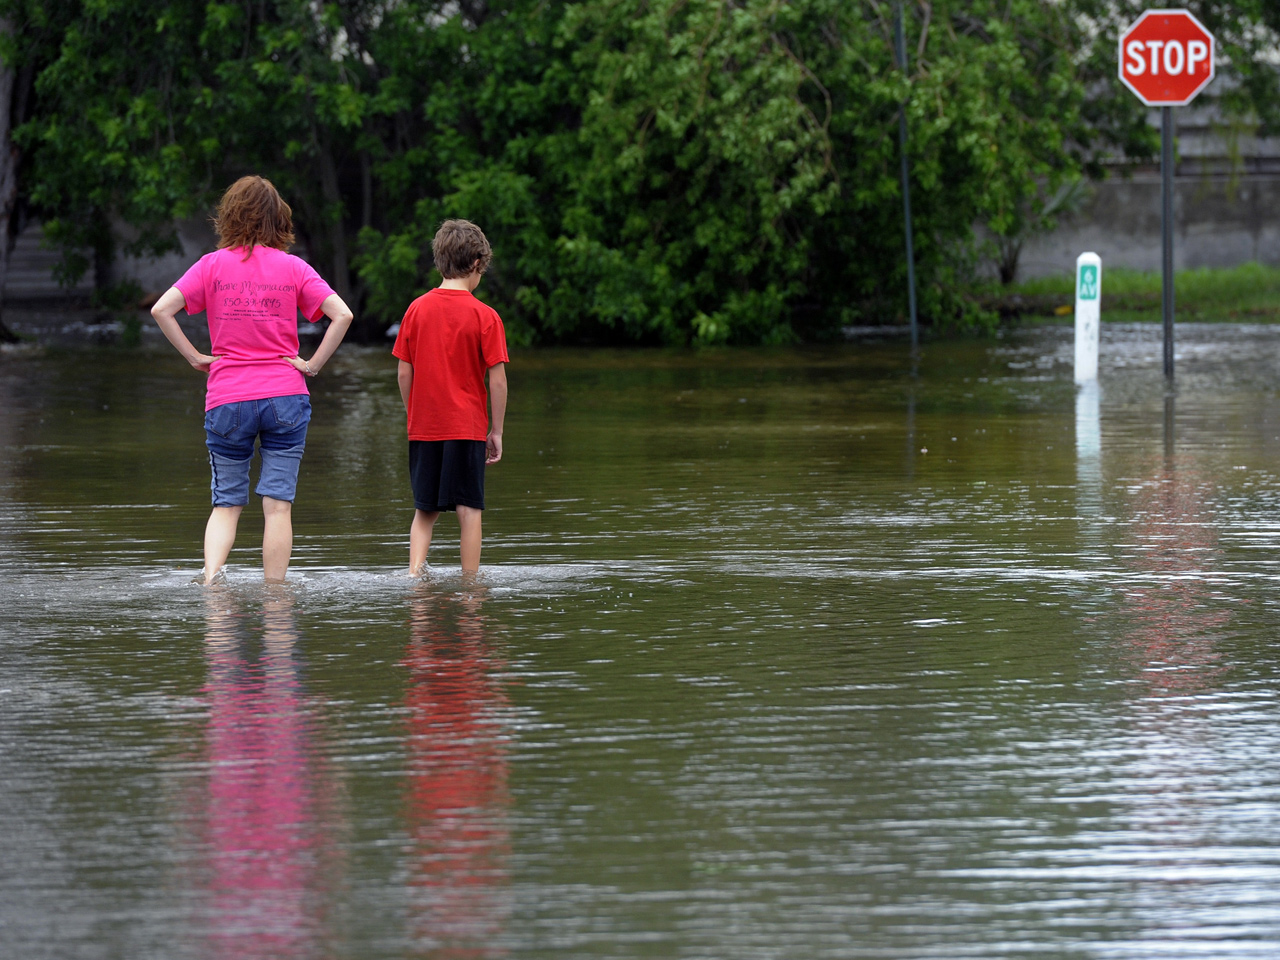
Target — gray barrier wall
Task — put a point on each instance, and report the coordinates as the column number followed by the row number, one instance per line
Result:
column 1220, row 221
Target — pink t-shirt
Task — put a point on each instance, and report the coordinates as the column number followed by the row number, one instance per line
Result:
column 253, row 319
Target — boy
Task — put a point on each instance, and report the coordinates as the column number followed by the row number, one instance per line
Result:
column 447, row 341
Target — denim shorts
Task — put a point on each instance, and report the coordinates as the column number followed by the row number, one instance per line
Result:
column 279, row 424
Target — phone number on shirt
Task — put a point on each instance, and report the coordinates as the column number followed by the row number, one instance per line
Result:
column 262, row 303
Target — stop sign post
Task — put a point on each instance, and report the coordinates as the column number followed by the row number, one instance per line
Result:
column 1166, row 59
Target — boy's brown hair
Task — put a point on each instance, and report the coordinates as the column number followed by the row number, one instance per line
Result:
column 252, row 213
column 457, row 247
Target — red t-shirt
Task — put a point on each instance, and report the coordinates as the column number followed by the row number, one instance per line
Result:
column 451, row 339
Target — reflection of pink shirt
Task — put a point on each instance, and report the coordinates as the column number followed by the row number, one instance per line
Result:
column 253, row 309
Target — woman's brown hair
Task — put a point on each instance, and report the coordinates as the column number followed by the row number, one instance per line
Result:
column 252, row 213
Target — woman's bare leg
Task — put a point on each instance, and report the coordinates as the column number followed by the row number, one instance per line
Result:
column 219, row 538
column 277, row 538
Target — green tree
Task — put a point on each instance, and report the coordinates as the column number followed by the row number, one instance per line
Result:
column 145, row 109
column 8, row 167
column 18, row 65
column 664, row 171
column 716, row 171
column 993, row 102
column 106, row 142
column 473, row 114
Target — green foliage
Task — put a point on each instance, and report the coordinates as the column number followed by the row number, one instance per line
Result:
column 1249, row 292
column 662, row 171
column 993, row 106
column 651, row 171
column 100, row 145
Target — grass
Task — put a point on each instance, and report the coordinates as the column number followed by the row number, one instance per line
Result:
column 1248, row 293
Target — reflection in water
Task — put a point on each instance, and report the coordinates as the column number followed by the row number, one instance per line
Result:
column 10, row 423
column 1174, row 622
column 725, row 738
column 1178, row 752
column 457, row 801
column 911, row 426
column 267, row 814
column 1089, row 453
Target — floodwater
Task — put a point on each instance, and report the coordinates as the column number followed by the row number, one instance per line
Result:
column 775, row 654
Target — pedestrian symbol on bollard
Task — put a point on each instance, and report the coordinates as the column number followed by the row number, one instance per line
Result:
column 1088, row 282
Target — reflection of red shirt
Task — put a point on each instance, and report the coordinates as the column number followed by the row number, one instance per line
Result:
column 451, row 339
column 458, row 800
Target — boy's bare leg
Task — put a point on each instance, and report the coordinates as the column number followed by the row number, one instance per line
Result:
column 469, row 521
column 277, row 537
column 219, row 538
column 424, row 523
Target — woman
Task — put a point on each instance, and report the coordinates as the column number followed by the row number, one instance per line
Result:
column 252, row 290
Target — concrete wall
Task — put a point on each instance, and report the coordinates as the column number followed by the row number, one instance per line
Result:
column 31, row 266
column 1219, row 222
column 156, row 276
column 1226, row 202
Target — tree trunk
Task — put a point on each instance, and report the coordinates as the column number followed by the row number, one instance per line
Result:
column 336, row 231
column 336, row 238
column 8, row 180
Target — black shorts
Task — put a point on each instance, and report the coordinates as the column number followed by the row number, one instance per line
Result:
column 446, row 473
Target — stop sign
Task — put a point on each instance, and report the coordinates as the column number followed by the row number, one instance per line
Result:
column 1166, row 58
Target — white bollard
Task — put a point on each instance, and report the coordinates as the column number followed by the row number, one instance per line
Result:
column 1088, row 315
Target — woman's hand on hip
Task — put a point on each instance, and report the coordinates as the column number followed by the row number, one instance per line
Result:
column 202, row 361
column 302, row 366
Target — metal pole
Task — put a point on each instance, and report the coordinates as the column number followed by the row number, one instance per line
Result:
column 900, row 45
column 1166, row 229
